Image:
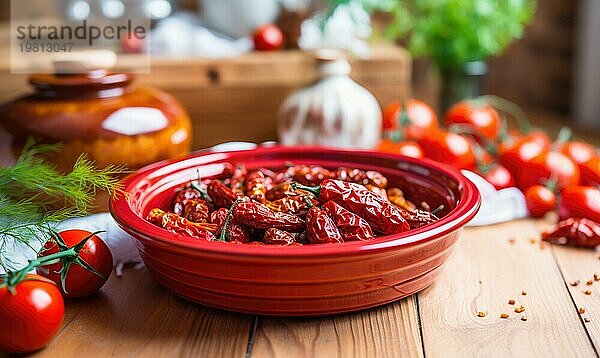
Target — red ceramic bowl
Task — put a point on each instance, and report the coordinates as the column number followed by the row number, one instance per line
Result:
column 297, row 281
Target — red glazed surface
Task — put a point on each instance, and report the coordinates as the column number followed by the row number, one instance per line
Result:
column 306, row 280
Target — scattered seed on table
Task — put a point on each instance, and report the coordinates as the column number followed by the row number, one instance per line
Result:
column 596, row 277
column 520, row 309
column 523, row 293
column 532, row 241
column 589, row 283
column 524, row 318
column 586, row 320
column 581, row 310
column 575, row 283
column 511, row 302
column 480, row 314
column 503, row 315
column 511, row 241
column 587, row 292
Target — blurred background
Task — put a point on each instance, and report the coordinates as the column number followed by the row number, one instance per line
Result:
column 543, row 56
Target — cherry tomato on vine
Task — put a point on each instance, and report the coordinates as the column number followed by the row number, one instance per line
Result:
column 30, row 316
column 478, row 115
column 419, row 120
column 539, row 200
column 515, row 139
column 268, row 38
column 579, row 152
column 449, row 148
column 499, row 177
column 590, row 172
column 549, row 165
column 539, row 137
column 516, row 159
column 408, row 149
column 580, row 201
column 80, row 281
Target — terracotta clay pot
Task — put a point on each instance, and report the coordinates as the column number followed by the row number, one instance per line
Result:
column 101, row 114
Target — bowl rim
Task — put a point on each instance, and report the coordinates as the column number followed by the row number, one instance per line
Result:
column 468, row 205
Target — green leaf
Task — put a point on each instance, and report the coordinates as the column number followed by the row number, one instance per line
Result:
column 35, row 195
column 454, row 32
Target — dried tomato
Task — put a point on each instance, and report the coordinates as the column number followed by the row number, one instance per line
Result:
column 235, row 231
column 351, row 226
column 321, row 228
column 576, row 232
column 180, row 225
column 382, row 216
column 259, row 216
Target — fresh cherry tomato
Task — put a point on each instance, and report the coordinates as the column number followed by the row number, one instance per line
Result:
column 539, row 137
column 517, row 158
column 590, row 172
column 80, row 281
column 539, row 200
column 478, row 115
column 499, row 177
column 579, row 152
column 30, row 316
column 549, row 165
column 268, row 38
column 515, row 138
column 419, row 120
column 449, row 148
column 408, row 149
column 580, row 202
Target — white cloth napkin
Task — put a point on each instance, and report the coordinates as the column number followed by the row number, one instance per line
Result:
column 496, row 205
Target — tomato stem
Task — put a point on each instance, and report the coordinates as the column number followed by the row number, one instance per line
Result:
column 194, row 185
column 308, row 202
column 66, row 255
column 316, row 191
column 223, row 236
column 15, row 277
column 509, row 108
column 465, row 129
column 564, row 135
column 438, row 209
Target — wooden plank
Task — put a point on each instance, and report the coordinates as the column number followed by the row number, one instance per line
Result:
column 134, row 316
column 580, row 265
column 486, row 271
column 388, row 331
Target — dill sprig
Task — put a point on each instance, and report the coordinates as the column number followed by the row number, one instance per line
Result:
column 35, row 196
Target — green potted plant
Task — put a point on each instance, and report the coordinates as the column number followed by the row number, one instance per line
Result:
column 457, row 35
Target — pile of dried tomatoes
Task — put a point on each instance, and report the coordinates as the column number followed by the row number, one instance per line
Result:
column 298, row 205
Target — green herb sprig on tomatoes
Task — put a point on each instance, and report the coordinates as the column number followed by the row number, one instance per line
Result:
column 35, row 196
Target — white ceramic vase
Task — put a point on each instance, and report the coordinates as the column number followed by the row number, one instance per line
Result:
column 333, row 111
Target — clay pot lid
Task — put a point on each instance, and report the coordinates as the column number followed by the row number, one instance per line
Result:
column 93, row 80
column 81, row 70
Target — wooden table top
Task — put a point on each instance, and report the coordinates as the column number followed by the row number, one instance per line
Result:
column 134, row 316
